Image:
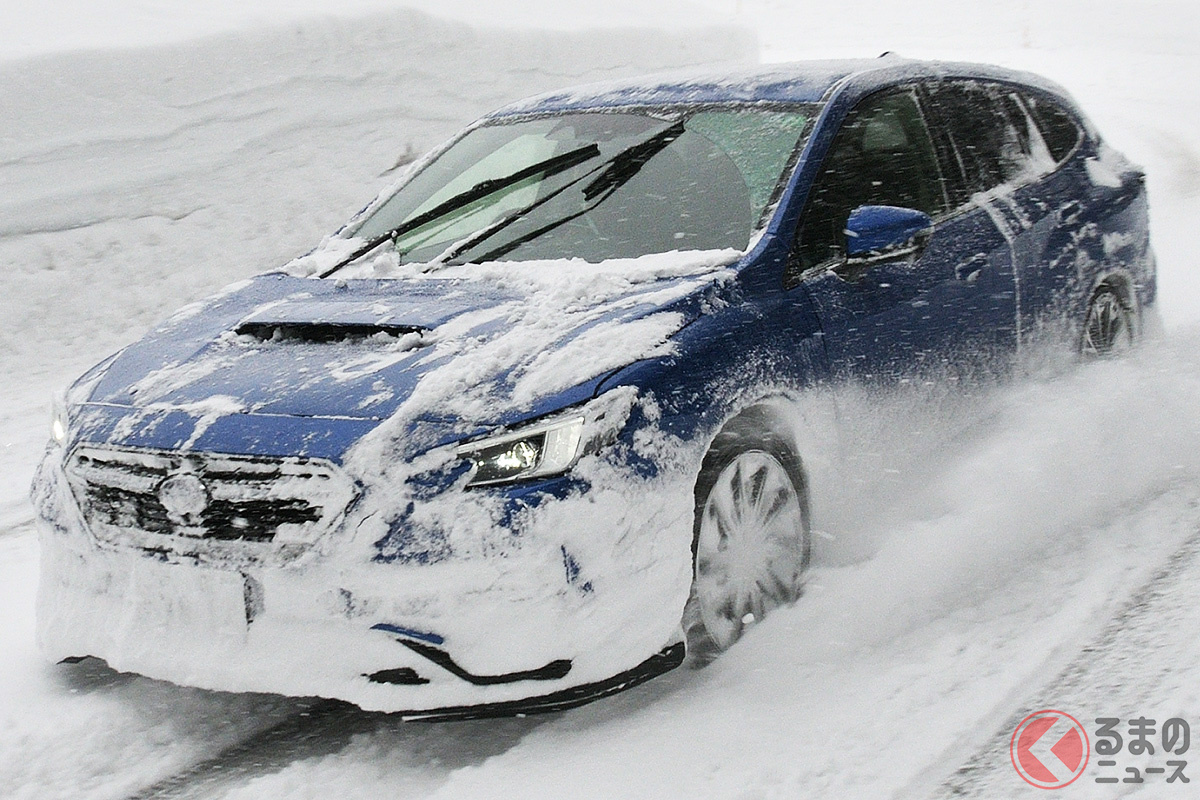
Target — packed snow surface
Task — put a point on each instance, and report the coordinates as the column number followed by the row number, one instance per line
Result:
column 972, row 543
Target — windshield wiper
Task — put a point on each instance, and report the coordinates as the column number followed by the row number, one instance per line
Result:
column 619, row 170
column 627, row 163
column 546, row 168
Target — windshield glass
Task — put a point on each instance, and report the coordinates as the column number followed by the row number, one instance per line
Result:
column 595, row 185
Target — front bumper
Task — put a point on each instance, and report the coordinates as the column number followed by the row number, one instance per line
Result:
column 583, row 606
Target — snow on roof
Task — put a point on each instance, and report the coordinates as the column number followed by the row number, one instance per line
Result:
column 796, row 82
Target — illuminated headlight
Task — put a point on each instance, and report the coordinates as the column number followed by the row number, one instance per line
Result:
column 59, row 424
column 532, row 452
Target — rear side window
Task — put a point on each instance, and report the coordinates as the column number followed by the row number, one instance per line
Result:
column 1059, row 129
column 993, row 139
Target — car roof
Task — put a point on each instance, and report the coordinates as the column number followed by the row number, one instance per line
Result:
column 798, row 82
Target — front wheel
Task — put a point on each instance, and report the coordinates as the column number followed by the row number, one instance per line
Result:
column 751, row 542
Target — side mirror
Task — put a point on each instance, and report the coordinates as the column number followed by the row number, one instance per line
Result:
column 875, row 234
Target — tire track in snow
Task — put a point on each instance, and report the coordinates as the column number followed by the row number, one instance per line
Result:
column 319, row 730
column 1125, row 670
column 23, row 527
column 329, row 727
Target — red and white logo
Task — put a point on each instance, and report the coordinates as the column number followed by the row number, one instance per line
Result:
column 1049, row 749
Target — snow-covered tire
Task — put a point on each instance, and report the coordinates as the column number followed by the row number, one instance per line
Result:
column 1109, row 326
column 750, row 546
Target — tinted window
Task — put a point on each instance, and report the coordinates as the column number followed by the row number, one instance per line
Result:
column 881, row 156
column 991, row 134
column 1059, row 130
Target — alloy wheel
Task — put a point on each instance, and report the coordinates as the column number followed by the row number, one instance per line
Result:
column 750, row 551
column 1108, row 327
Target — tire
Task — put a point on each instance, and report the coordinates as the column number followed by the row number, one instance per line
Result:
column 751, row 538
column 1108, row 327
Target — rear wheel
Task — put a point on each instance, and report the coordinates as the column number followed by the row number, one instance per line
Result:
column 751, row 539
column 1108, row 326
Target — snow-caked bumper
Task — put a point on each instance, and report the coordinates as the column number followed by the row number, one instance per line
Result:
column 311, row 583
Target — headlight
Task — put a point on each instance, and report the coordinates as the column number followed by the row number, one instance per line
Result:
column 59, row 424
column 532, row 452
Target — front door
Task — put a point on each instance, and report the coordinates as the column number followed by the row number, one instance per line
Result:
column 948, row 308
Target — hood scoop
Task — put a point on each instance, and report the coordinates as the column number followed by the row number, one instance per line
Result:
column 324, row 332
column 332, row 320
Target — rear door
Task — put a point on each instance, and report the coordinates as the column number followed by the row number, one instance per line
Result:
column 939, row 312
column 1012, row 175
column 1059, row 206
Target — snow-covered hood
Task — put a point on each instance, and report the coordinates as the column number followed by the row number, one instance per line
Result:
column 464, row 347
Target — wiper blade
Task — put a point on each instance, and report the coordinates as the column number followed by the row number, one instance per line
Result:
column 627, row 163
column 617, row 171
column 546, row 168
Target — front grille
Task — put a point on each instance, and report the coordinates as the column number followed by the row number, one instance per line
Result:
column 231, row 505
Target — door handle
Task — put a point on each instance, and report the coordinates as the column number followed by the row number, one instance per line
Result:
column 969, row 270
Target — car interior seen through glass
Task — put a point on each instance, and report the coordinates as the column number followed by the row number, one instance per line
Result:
column 882, row 155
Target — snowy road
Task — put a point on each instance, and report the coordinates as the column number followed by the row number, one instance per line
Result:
column 1131, row 668
column 326, row 729
column 989, row 554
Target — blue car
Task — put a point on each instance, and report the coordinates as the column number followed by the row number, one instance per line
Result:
column 523, row 433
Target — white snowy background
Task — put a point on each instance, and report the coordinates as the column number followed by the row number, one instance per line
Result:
column 1035, row 546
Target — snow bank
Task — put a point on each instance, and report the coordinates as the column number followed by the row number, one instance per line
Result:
column 53, row 26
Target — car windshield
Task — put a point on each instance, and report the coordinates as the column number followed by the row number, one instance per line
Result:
column 595, row 185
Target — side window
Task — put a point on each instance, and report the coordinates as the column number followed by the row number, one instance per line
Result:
column 882, row 155
column 1059, row 129
column 992, row 136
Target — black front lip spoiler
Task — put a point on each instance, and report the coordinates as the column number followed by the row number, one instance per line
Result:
column 665, row 660
column 552, row 671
